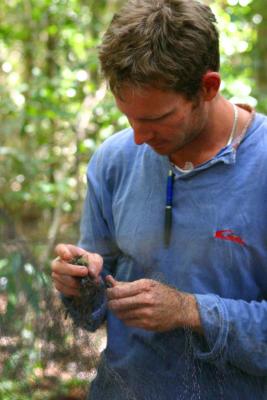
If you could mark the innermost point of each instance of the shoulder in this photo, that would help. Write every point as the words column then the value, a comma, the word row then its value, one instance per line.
column 256, row 137
column 117, row 156
column 252, row 152
column 258, row 129
column 119, row 143
column 117, row 149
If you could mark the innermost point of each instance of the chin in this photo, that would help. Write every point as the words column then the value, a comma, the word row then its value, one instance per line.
column 160, row 150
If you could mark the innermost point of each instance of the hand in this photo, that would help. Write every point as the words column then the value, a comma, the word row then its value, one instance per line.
column 151, row 305
column 65, row 275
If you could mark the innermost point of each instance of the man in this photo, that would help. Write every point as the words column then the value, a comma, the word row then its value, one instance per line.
column 185, row 306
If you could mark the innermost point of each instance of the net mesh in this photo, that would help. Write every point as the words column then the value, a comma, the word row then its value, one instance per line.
column 42, row 352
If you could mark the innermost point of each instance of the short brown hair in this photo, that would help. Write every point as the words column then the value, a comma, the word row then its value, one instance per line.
column 165, row 43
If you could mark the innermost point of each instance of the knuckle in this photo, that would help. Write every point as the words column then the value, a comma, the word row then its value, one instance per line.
column 115, row 292
column 54, row 262
column 95, row 262
column 98, row 258
column 113, row 305
column 71, row 270
column 149, row 298
column 54, row 276
column 98, row 261
column 59, row 249
column 147, row 313
column 58, row 286
column 144, row 284
column 111, row 294
column 148, row 284
column 58, row 265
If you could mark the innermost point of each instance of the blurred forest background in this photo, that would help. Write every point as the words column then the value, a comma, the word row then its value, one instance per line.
column 54, row 111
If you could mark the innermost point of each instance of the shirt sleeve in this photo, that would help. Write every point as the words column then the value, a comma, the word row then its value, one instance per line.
column 97, row 236
column 235, row 333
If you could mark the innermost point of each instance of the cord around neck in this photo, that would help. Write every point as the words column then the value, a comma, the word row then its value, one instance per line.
column 234, row 127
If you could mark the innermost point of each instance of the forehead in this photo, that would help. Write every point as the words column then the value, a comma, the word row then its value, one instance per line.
column 148, row 102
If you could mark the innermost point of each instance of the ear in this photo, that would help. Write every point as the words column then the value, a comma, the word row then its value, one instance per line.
column 211, row 82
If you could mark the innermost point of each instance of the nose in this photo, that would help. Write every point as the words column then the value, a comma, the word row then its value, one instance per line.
column 142, row 132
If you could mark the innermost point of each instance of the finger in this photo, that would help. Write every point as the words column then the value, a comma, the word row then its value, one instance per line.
column 66, row 290
column 129, row 315
column 66, row 280
column 63, row 268
column 68, row 251
column 133, row 323
column 95, row 262
column 139, row 323
column 136, row 322
column 131, row 303
column 111, row 281
column 128, row 289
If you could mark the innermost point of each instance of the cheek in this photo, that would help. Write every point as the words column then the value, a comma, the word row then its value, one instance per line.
column 171, row 128
column 164, row 131
column 178, row 122
column 175, row 128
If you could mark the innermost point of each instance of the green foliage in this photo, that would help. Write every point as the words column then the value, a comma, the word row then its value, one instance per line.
column 54, row 109
column 48, row 82
column 244, row 50
column 14, row 390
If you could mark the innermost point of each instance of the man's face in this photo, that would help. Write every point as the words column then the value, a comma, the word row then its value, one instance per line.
column 165, row 120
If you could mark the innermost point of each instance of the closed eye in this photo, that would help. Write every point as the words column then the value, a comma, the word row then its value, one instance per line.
column 160, row 118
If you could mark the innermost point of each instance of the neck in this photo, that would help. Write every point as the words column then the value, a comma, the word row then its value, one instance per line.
column 217, row 124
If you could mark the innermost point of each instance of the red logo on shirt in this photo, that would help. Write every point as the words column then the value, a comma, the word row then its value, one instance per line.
column 228, row 234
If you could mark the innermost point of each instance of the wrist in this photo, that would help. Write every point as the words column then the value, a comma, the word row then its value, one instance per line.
column 188, row 315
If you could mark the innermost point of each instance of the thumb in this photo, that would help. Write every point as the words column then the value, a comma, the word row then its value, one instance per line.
column 67, row 251
column 111, row 282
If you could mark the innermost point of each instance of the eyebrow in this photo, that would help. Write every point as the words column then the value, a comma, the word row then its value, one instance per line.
column 154, row 118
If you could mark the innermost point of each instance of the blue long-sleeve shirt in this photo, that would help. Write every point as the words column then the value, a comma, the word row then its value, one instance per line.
column 218, row 252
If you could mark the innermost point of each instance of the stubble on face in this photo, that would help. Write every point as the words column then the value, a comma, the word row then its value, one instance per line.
column 190, row 130
column 168, row 135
